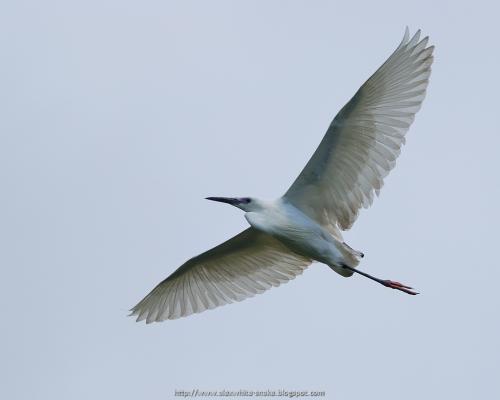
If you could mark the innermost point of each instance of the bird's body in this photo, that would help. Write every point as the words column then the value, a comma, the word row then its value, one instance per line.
column 286, row 235
column 301, row 234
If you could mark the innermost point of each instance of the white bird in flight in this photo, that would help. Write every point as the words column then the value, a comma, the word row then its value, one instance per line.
column 286, row 235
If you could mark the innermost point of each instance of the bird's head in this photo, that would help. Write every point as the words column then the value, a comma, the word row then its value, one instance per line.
column 244, row 203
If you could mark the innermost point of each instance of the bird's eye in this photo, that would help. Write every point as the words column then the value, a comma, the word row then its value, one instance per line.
column 246, row 200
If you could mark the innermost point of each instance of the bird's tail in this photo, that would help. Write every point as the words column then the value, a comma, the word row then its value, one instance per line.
column 351, row 258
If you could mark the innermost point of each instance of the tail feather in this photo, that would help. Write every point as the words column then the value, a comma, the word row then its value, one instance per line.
column 358, row 253
column 351, row 259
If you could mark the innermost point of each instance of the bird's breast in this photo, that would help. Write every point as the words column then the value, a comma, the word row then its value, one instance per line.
column 300, row 234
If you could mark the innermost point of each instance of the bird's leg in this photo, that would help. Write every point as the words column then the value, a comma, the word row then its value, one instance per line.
column 385, row 282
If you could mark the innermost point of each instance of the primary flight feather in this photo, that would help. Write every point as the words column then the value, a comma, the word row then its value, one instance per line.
column 286, row 235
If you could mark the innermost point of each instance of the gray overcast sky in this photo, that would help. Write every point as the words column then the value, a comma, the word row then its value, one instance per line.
column 118, row 117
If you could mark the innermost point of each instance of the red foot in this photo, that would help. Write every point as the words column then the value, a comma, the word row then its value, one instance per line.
column 398, row 286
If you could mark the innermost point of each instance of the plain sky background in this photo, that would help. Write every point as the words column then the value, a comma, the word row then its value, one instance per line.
column 118, row 117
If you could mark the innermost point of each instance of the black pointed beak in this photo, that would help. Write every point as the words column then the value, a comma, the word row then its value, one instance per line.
column 228, row 200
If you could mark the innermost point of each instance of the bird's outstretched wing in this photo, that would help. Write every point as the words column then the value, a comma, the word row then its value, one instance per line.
column 365, row 138
column 245, row 265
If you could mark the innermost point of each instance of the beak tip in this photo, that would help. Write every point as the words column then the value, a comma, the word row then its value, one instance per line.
column 228, row 200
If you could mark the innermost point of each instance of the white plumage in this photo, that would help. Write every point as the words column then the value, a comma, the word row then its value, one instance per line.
column 365, row 138
column 245, row 265
column 357, row 152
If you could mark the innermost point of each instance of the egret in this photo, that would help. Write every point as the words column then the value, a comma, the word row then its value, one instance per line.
column 286, row 235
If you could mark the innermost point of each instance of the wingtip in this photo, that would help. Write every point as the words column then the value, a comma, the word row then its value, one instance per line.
column 134, row 313
column 134, row 316
column 406, row 35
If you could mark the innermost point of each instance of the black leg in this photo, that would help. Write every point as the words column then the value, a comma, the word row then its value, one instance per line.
column 385, row 282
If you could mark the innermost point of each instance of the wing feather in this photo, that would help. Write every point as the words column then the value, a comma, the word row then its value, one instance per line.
column 249, row 263
column 364, row 140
